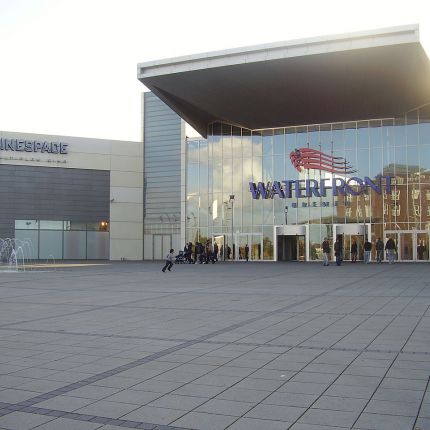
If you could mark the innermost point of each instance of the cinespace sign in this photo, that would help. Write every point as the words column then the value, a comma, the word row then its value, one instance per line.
column 21, row 145
column 306, row 158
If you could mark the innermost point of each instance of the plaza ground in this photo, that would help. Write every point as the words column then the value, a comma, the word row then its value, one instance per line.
column 233, row 345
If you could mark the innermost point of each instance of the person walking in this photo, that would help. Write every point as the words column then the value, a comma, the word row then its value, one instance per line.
column 367, row 251
column 210, row 252
column 379, row 245
column 195, row 252
column 354, row 252
column 189, row 253
column 326, row 251
column 246, row 252
column 198, row 252
column 390, row 247
column 338, row 252
column 185, row 252
column 170, row 258
column 201, row 253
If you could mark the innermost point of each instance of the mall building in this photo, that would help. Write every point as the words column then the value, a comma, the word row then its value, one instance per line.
column 301, row 140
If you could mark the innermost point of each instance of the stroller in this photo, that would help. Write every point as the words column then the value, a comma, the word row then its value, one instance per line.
column 180, row 258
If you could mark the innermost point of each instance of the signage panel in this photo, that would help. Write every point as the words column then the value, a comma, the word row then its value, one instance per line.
column 21, row 145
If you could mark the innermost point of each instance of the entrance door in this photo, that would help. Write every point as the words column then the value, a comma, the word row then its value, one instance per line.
column 347, row 234
column 406, row 249
column 291, row 248
column 348, row 240
column 220, row 240
column 422, row 246
column 411, row 245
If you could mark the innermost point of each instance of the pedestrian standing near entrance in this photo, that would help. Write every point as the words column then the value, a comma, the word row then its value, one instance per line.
column 216, row 251
column 354, row 252
column 326, row 251
column 170, row 258
column 390, row 247
column 338, row 252
column 367, row 251
column 246, row 252
column 379, row 245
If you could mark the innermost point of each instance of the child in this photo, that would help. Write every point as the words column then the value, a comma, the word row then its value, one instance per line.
column 170, row 258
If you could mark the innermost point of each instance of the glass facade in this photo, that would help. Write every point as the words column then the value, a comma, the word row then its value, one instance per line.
column 63, row 240
column 224, row 165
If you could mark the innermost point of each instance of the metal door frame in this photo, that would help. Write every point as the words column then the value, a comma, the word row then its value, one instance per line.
column 290, row 230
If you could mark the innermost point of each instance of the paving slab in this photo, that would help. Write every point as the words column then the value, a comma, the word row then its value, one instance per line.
column 224, row 346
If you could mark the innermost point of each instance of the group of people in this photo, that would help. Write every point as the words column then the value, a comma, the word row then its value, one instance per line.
column 202, row 253
column 390, row 248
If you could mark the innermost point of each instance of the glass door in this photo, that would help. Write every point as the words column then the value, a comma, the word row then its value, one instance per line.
column 406, row 249
column 346, row 247
column 411, row 245
column 348, row 241
column 242, row 242
column 422, row 246
column 301, row 248
column 255, row 245
column 220, row 241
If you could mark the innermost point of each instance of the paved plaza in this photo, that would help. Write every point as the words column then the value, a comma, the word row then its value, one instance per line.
column 249, row 346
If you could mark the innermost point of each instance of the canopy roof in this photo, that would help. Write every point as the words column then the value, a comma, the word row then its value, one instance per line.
column 366, row 75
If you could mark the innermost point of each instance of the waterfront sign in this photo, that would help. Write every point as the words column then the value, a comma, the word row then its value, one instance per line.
column 308, row 158
column 312, row 188
column 21, row 145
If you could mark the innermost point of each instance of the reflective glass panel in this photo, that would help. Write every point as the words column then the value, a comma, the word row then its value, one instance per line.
column 26, row 224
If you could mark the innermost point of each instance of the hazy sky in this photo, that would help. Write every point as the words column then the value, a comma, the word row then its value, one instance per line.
column 69, row 67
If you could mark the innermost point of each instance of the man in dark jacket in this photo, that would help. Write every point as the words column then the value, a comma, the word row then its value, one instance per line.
column 367, row 251
column 326, row 251
column 379, row 245
column 338, row 252
column 390, row 247
column 354, row 252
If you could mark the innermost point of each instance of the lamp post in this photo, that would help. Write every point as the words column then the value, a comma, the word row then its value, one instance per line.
column 286, row 215
column 232, row 223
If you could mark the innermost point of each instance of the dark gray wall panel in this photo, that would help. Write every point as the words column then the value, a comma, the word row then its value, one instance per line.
column 162, row 171
column 52, row 193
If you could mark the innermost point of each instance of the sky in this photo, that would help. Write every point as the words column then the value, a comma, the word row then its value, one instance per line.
column 69, row 67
